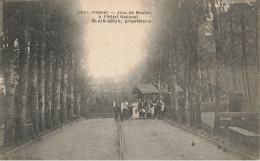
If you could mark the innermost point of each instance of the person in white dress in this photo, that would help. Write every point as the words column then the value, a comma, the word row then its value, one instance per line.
column 161, row 113
column 125, row 109
column 150, row 112
column 122, row 107
column 135, row 109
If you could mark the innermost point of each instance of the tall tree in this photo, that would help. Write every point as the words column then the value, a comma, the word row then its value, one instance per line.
column 174, row 100
column 57, row 40
column 70, row 96
column 244, row 55
column 56, row 101
column 8, row 71
column 218, row 53
column 64, row 80
column 45, row 47
column 33, row 88
column 77, row 93
column 23, row 43
column 48, row 67
column 258, row 57
column 41, row 66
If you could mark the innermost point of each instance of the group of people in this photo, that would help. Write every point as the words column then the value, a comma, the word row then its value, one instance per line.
column 142, row 108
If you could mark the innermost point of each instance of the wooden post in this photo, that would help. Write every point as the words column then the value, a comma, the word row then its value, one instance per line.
column 1, row 23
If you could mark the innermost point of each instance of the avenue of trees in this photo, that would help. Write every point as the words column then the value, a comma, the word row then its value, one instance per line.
column 41, row 59
column 208, row 47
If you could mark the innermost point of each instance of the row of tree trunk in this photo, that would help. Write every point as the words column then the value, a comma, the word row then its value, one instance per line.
column 187, row 32
column 38, row 62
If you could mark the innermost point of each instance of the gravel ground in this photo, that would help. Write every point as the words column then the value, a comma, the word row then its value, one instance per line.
column 97, row 139
column 86, row 140
column 156, row 140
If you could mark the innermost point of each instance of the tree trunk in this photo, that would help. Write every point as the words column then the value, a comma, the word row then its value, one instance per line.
column 245, row 87
column 210, row 87
column 7, row 62
column 76, row 88
column 41, row 80
column 187, row 41
column 56, row 103
column 186, row 89
column 244, row 57
column 195, row 67
column 9, row 103
column 9, row 98
column 48, row 89
column 174, row 100
column 258, row 57
column 63, row 107
column 71, row 87
column 192, row 104
column 197, row 76
column 33, row 87
column 218, row 53
column 233, row 53
column 198, row 97
column 41, row 75
column 223, row 42
column 187, row 63
column 22, row 84
column 77, row 104
column 257, row 36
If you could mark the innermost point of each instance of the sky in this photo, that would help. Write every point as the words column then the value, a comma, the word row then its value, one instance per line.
column 114, row 49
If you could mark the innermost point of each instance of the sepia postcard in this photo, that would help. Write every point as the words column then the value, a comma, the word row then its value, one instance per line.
column 129, row 79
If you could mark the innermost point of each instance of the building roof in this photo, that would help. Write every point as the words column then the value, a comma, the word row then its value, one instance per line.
column 150, row 89
column 146, row 88
column 242, row 1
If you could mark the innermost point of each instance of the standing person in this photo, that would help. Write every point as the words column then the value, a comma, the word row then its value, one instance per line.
column 125, row 109
column 153, row 104
column 150, row 111
column 118, row 107
column 140, row 108
column 156, row 108
column 145, row 106
column 162, row 109
column 130, row 110
column 115, row 109
column 121, row 111
column 135, row 109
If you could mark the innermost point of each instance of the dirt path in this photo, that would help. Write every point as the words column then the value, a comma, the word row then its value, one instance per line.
column 97, row 139
column 86, row 140
column 155, row 139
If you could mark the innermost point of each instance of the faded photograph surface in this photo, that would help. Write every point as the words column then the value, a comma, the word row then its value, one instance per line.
column 129, row 80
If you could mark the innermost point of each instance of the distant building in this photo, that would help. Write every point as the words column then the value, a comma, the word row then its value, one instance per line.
column 242, row 1
column 148, row 90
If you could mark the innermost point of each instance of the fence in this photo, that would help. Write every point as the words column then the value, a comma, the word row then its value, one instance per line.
column 250, row 107
column 98, row 112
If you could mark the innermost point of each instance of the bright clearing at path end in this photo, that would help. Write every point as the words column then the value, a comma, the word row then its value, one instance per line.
column 114, row 49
